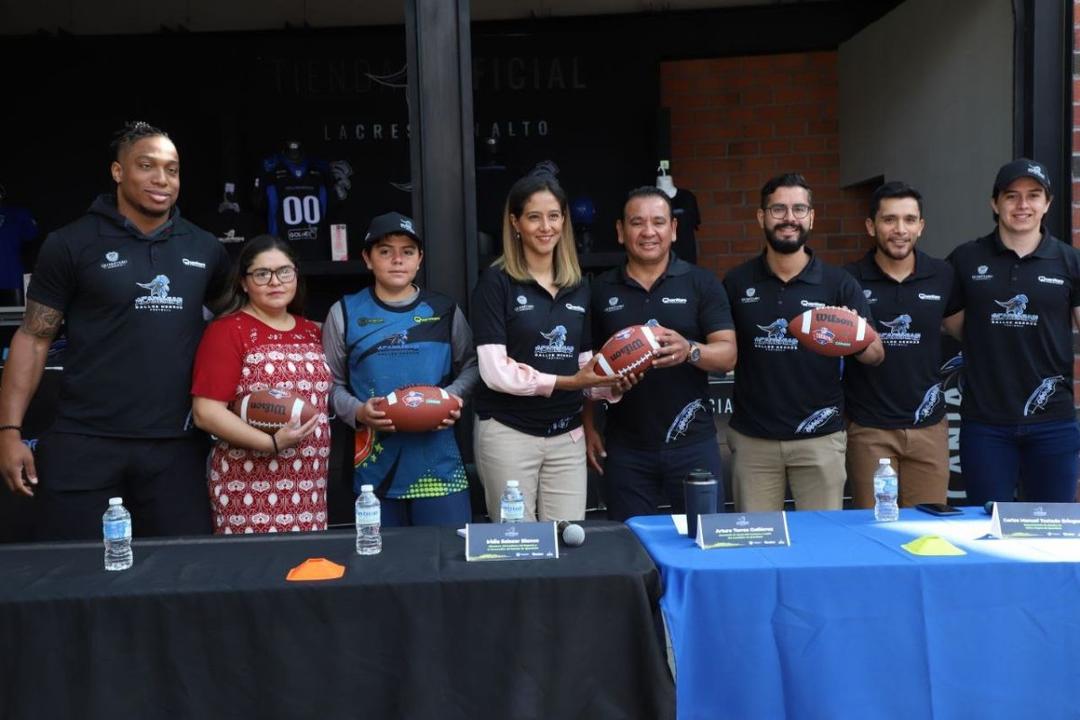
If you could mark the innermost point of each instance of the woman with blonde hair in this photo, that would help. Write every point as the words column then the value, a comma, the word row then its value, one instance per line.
column 531, row 323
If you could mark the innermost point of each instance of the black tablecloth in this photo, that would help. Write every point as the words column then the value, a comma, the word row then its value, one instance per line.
column 210, row 628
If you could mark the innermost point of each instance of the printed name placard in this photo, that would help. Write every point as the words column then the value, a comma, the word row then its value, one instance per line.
column 753, row 529
column 511, row 541
column 1044, row 520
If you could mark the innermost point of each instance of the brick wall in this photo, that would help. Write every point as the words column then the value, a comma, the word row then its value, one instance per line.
column 736, row 122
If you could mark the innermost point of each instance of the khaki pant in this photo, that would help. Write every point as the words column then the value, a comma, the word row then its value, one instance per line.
column 550, row 470
column 920, row 457
column 762, row 469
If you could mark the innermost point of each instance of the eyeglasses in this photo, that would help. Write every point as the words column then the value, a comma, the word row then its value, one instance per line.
column 261, row 276
column 779, row 212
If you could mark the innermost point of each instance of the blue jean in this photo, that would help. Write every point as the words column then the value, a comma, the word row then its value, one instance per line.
column 453, row 509
column 1040, row 458
column 637, row 481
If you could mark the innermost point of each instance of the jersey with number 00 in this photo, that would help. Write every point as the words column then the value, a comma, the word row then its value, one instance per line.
column 296, row 195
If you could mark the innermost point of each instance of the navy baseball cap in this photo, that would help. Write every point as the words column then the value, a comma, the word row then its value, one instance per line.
column 1021, row 168
column 390, row 223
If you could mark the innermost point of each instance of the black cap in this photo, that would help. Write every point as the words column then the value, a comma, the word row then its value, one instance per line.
column 1020, row 168
column 390, row 223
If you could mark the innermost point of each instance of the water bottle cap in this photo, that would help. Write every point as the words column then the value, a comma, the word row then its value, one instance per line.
column 511, row 483
column 884, row 461
column 367, row 488
column 116, row 501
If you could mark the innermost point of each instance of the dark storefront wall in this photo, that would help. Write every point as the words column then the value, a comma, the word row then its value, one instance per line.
column 581, row 92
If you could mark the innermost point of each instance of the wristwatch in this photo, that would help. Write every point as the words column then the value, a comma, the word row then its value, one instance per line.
column 694, row 355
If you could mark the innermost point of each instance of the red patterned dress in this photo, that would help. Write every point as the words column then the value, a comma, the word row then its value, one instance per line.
column 252, row 491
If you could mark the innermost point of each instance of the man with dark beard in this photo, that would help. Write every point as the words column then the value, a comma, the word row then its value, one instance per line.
column 787, row 423
column 897, row 409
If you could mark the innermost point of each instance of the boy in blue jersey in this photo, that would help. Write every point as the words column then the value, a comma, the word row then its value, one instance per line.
column 385, row 336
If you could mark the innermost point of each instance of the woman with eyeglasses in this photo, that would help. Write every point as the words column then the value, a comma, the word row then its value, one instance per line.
column 260, row 482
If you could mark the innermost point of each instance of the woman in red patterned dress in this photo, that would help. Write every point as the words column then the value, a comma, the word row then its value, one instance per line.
column 260, row 482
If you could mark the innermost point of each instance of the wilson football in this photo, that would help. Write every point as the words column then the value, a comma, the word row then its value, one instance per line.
column 629, row 350
column 832, row 331
column 270, row 410
column 417, row 408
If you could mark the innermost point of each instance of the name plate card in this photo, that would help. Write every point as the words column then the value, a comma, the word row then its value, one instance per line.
column 755, row 529
column 511, row 541
column 1041, row 520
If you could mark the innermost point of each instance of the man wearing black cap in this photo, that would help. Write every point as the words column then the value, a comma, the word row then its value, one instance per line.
column 1017, row 295
column 382, row 338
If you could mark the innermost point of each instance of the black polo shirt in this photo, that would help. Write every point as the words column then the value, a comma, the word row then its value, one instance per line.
column 782, row 390
column 905, row 390
column 1018, row 346
column 133, row 308
column 670, row 406
column 542, row 332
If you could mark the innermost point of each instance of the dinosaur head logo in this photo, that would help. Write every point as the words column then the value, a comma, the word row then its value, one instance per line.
column 1015, row 305
column 556, row 338
column 776, row 330
column 158, row 287
column 900, row 325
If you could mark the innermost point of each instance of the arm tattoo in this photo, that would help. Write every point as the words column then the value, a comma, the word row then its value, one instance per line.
column 41, row 321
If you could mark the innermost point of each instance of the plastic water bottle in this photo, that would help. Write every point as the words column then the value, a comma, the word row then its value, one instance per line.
column 512, row 505
column 885, row 489
column 368, row 520
column 116, row 529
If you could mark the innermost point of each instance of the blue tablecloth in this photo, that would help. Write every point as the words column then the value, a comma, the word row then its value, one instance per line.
column 845, row 623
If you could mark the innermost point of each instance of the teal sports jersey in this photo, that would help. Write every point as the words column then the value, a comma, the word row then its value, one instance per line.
column 389, row 347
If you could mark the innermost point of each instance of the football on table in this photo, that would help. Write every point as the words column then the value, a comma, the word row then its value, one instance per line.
column 630, row 350
column 832, row 331
column 417, row 408
column 270, row 410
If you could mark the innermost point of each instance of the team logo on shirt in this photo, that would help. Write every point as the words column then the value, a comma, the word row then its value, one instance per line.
column 869, row 295
column 899, row 331
column 817, row 419
column 560, row 425
column 673, row 300
column 613, row 305
column 930, row 401
column 113, row 261
column 556, row 347
column 811, row 304
column 575, row 308
column 1051, row 280
column 1014, row 315
column 982, row 270
column 159, row 299
column 397, row 344
column 775, row 338
column 1040, row 397
column 522, row 304
column 683, row 420
column 929, row 296
column 751, row 296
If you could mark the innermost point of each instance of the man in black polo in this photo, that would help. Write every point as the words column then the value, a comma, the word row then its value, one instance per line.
column 897, row 409
column 662, row 428
column 130, row 279
column 1017, row 298
column 787, row 421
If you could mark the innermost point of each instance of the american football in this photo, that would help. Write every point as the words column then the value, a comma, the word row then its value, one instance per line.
column 629, row 350
column 417, row 408
column 832, row 331
column 270, row 410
